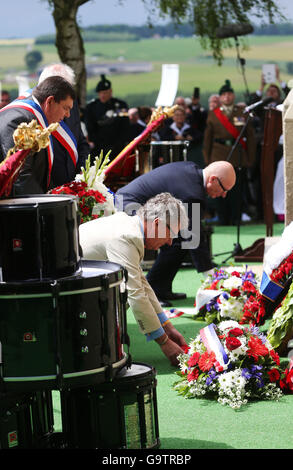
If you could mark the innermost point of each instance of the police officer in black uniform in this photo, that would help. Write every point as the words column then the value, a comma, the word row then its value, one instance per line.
column 107, row 121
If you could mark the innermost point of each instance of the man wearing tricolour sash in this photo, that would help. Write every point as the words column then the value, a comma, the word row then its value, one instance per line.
column 224, row 125
column 70, row 146
column 51, row 101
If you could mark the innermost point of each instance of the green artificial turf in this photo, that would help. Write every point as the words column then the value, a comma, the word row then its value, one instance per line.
column 204, row 423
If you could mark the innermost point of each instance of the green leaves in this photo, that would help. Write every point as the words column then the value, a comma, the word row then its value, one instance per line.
column 208, row 15
column 282, row 321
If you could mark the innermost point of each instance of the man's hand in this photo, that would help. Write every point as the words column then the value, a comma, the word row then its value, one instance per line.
column 174, row 335
column 172, row 351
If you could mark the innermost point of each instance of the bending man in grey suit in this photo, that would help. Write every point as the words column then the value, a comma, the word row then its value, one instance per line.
column 122, row 239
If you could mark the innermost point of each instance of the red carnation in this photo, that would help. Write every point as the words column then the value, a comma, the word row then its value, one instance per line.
column 287, row 383
column 275, row 357
column 206, row 361
column 193, row 360
column 193, row 375
column 185, row 348
column 235, row 332
column 247, row 286
column 235, row 273
column 274, row 375
column 235, row 293
column 256, row 348
column 232, row 343
column 213, row 285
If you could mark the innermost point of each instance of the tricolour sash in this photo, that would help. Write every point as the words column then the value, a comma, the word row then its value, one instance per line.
column 66, row 138
column 229, row 126
column 212, row 343
column 63, row 134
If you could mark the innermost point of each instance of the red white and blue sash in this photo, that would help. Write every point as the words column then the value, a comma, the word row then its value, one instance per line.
column 212, row 343
column 66, row 138
column 36, row 110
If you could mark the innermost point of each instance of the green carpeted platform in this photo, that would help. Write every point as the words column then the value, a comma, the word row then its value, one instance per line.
column 202, row 423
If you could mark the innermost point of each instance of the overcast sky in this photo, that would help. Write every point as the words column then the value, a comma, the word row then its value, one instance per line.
column 30, row 18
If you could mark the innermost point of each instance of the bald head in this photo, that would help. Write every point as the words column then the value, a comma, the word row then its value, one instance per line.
column 220, row 177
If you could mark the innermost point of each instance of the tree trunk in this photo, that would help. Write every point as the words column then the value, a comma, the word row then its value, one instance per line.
column 69, row 42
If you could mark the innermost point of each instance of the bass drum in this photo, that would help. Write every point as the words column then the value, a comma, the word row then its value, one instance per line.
column 38, row 237
column 27, row 421
column 65, row 333
column 121, row 414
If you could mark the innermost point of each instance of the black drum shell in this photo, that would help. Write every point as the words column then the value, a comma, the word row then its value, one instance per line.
column 39, row 237
column 121, row 414
column 64, row 333
column 26, row 420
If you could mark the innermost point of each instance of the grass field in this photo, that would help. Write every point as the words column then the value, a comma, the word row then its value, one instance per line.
column 197, row 67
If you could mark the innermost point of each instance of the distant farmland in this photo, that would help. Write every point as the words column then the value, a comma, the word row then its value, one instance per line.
column 197, row 67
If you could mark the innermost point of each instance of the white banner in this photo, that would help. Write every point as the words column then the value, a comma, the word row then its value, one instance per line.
column 169, row 85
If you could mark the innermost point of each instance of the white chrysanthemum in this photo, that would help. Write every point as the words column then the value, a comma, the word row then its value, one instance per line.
column 183, row 358
column 228, row 325
column 233, row 282
column 231, row 307
column 197, row 346
column 232, row 379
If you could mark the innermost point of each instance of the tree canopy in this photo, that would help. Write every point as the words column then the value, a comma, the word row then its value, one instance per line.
column 208, row 15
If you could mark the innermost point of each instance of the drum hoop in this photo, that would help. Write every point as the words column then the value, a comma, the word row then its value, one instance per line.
column 69, row 375
column 169, row 142
column 61, row 294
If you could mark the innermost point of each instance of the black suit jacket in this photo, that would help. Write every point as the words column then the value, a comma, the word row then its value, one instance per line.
column 184, row 180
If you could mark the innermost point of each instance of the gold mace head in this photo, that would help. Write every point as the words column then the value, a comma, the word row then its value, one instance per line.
column 32, row 136
column 167, row 112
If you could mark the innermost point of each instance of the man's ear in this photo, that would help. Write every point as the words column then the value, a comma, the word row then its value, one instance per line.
column 49, row 100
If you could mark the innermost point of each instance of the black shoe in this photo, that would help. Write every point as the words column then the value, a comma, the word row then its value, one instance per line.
column 165, row 303
column 172, row 295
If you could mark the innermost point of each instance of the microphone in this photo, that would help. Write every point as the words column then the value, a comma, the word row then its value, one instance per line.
column 233, row 30
column 258, row 104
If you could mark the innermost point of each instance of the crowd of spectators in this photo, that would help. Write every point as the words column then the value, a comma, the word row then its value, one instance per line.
column 195, row 133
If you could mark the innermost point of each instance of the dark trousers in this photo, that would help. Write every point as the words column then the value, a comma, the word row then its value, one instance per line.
column 229, row 209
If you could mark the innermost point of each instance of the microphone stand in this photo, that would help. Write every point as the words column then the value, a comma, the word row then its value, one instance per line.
column 237, row 247
column 242, row 65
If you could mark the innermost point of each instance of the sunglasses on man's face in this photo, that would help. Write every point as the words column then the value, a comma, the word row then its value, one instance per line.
column 222, row 187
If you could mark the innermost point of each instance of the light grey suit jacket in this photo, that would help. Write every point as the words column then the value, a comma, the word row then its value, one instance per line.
column 119, row 238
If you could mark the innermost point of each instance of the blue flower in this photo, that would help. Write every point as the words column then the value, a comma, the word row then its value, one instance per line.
column 212, row 304
column 254, row 373
column 211, row 377
column 220, row 274
column 246, row 374
column 248, row 276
